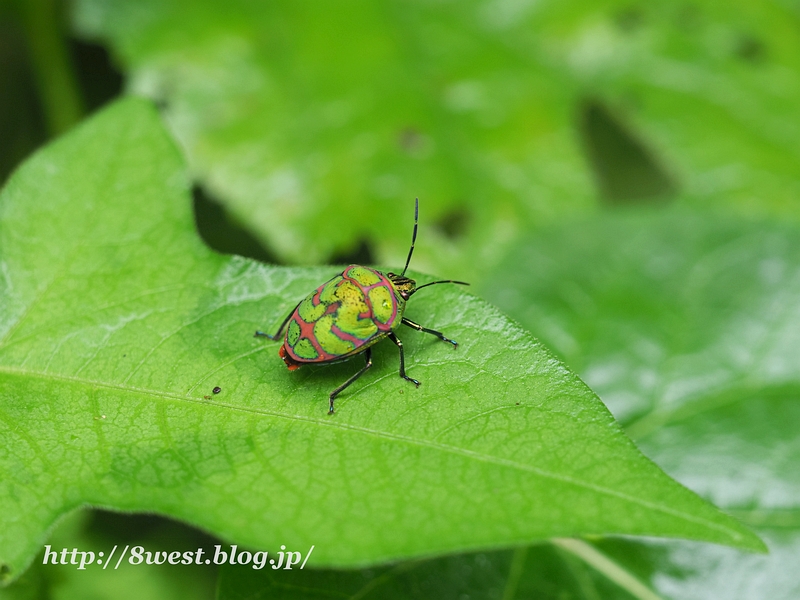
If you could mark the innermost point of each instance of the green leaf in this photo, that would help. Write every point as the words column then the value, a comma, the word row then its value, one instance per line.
column 713, row 89
column 665, row 314
column 626, row 569
column 539, row 572
column 697, row 571
column 117, row 323
column 687, row 325
column 317, row 125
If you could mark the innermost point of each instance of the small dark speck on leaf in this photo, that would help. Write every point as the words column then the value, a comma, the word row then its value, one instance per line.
column 630, row 19
column 517, row 403
column 750, row 49
column 217, row 390
column 206, row 397
column 411, row 140
column 454, row 224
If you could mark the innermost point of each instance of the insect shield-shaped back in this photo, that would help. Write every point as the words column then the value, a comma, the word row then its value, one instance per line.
column 342, row 317
column 348, row 314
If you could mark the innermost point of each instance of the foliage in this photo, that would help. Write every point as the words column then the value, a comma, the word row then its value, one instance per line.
column 343, row 110
column 620, row 178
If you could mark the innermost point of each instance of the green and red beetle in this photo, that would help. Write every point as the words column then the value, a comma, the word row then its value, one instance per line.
column 348, row 315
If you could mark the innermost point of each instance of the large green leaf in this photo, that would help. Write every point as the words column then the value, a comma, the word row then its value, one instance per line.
column 117, row 323
column 714, row 89
column 665, row 314
column 687, row 325
column 542, row 572
column 317, row 123
column 612, row 569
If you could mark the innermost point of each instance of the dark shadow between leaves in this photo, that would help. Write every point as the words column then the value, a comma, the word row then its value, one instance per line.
column 221, row 233
column 625, row 170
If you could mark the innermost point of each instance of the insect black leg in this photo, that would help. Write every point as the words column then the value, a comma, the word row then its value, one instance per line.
column 438, row 334
column 334, row 393
column 393, row 337
column 280, row 329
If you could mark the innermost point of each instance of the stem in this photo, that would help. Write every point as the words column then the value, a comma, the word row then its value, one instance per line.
column 612, row 571
column 515, row 573
column 52, row 66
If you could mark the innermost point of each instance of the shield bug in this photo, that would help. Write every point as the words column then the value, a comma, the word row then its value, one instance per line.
column 348, row 315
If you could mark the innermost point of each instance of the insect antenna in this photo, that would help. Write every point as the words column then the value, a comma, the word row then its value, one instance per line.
column 435, row 282
column 413, row 237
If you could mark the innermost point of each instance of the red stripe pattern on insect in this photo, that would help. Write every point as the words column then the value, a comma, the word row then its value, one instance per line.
column 342, row 317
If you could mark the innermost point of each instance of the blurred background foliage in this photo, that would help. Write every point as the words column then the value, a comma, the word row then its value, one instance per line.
column 621, row 177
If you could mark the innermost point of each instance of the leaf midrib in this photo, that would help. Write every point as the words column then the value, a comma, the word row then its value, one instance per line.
column 470, row 454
